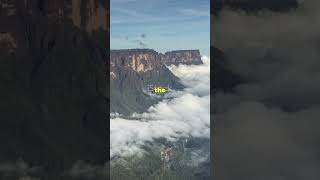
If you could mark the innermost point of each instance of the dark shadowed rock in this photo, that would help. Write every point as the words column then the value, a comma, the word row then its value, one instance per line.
column 53, row 83
column 253, row 6
column 223, row 78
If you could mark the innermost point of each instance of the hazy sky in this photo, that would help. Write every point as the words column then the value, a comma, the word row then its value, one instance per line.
column 160, row 24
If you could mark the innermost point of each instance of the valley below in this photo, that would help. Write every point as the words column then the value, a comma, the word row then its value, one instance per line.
column 163, row 136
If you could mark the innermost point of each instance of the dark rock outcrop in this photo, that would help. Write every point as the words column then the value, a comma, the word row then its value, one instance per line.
column 253, row 6
column 53, row 83
column 223, row 78
column 187, row 57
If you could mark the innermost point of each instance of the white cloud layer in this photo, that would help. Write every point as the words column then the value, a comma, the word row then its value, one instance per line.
column 270, row 121
column 187, row 114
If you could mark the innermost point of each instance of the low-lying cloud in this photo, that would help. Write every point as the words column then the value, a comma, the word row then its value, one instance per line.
column 19, row 168
column 187, row 114
column 85, row 170
column 268, row 128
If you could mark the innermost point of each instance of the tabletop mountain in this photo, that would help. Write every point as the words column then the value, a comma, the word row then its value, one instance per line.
column 132, row 71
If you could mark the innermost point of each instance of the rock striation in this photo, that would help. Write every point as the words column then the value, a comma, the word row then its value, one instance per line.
column 138, row 60
column 145, row 60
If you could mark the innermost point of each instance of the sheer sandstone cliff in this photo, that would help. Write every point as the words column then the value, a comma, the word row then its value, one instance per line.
column 53, row 83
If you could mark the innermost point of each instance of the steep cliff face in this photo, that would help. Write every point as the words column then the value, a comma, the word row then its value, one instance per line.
column 138, row 60
column 87, row 14
column 131, row 72
column 182, row 57
column 20, row 18
column 53, row 83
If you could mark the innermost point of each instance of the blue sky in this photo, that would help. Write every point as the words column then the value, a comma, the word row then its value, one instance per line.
column 162, row 25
